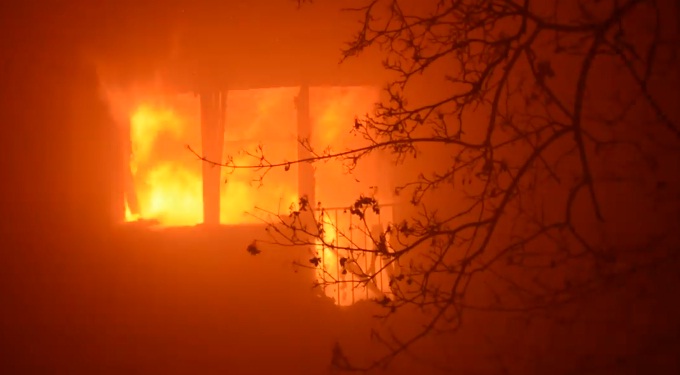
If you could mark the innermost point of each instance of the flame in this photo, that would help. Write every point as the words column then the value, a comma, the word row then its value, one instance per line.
column 339, row 234
column 334, row 111
column 147, row 123
column 167, row 181
column 168, row 186
column 174, row 196
column 267, row 118
column 129, row 216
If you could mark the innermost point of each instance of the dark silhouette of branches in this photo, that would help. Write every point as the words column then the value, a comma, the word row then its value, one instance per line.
column 526, row 129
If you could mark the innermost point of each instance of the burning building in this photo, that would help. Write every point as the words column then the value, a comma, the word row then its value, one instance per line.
column 167, row 183
column 229, row 93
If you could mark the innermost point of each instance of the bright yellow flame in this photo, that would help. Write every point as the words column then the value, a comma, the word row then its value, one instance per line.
column 129, row 216
column 175, row 197
column 147, row 123
column 168, row 180
column 168, row 186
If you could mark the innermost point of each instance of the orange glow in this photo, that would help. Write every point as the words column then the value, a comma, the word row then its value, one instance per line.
column 333, row 111
column 350, row 287
column 167, row 179
column 265, row 117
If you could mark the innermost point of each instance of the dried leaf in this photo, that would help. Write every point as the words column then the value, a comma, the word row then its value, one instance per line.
column 252, row 248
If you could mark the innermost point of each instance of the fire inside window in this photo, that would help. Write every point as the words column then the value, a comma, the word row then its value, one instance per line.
column 167, row 184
